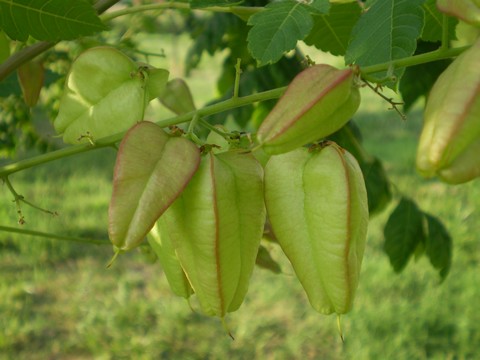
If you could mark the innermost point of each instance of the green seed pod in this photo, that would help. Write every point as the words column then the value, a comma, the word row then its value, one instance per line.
column 105, row 93
column 452, row 121
column 177, row 97
column 466, row 10
column 317, row 205
column 163, row 247
column 216, row 226
column 318, row 102
column 31, row 76
column 151, row 171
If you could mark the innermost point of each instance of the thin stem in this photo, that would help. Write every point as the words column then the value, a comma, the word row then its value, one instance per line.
column 209, row 126
column 238, row 72
column 111, row 140
column 193, row 123
column 414, row 60
column 17, row 198
column 445, row 35
column 53, row 236
column 20, row 198
column 179, row 6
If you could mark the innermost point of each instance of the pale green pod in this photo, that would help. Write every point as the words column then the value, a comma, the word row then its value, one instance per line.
column 452, row 115
column 163, row 248
column 216, row 226
column 317, row 205
column 151, row 171
column 318, row 102
column 465, row 167
column 106, row 92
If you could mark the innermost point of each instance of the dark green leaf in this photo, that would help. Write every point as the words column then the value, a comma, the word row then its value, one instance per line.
column 265, row 260
column 319, row 6
column 432, row 31
column 403, row 232
column 386, row 32
column 198, row 4
column 277, row 29
column 438, row 246
column 4, row 47
column 51, row 20
column 377, row 184
column 10, row 86
column 332, row 32
column 418, row 80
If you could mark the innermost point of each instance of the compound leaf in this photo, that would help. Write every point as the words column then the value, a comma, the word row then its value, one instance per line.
column 387, row 31
column 277, row 30
column 403, row 233
column 331, row 32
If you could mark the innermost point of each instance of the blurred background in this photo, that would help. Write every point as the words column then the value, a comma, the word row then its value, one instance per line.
column 59, row 301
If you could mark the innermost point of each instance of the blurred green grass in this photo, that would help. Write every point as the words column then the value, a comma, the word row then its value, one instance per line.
column 58, row 301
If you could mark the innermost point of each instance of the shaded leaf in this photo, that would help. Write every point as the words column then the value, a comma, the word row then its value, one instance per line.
column 403, row 232
column 4, row 47
column 265, row 261
column 432, row 31
column 438, row 246
column 377, row 184
column 331, row 32
column 318, row 6
column 151, row 171
column 51, row 20
column 386, row 32
column 277, row 29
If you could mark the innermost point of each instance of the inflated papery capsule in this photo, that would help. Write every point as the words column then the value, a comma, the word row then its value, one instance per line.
column 466, row 10
column 163, row 248
column 318, row 102
column 216, row 226
column 452, row 122
column 151, row 170
column 317, row 205
column 106, row 92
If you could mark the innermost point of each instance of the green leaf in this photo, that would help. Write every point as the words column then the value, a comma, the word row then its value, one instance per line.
column 277, row 29
column 10, row 86
column 438, row 246
column 198, row 4
column 386, row 32
column 403, row 232
column 318, row 6
column 377, row 184
column 432, row 31
column 51, row 20
column 419, row 79
column 151, row 171
column 332, row 32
